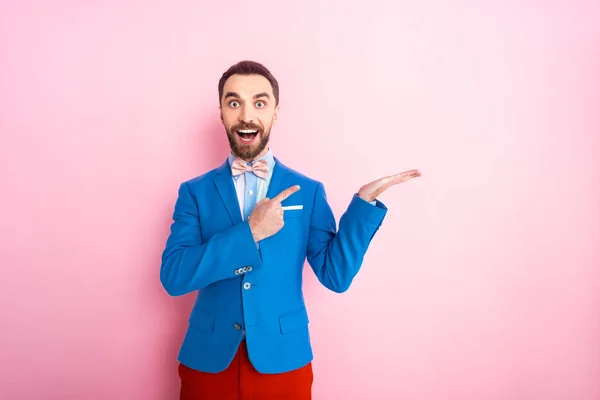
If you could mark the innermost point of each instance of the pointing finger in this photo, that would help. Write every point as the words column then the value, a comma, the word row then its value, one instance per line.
column 286, row 193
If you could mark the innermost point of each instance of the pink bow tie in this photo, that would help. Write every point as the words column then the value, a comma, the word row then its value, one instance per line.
column 260, row 168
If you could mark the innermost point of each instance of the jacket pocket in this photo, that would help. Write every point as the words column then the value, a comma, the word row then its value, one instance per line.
column 202, row 320
column 292, row 321
column 291, row 214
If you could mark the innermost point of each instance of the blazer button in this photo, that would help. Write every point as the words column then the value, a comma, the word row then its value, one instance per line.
column 245, row 269
column 237, row 326
column 237, row 271
column 247, row 285
column 248, row 268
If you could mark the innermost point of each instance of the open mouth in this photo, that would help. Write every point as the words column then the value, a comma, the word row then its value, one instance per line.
column 247, row 135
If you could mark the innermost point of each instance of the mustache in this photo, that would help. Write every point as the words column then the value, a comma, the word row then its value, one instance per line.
column 244, row 126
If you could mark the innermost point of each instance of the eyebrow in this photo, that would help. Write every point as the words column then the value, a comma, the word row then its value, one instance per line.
column 256, row 96
column 232, row 94
column 263, row 94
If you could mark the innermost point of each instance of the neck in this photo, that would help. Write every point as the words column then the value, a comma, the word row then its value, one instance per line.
column 261, row 154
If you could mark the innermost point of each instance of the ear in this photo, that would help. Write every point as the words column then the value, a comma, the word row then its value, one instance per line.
column 275, row 115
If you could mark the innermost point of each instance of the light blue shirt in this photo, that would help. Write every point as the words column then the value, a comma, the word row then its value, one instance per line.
column 249, row 188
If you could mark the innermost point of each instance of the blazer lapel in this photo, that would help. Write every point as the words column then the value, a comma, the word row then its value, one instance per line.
column 224, row 184
column 280, row 179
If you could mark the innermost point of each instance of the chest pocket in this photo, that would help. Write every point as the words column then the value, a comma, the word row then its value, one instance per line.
column 292, row 211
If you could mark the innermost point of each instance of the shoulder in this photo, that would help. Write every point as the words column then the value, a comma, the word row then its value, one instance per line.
column 302, row 178
column 208, row 177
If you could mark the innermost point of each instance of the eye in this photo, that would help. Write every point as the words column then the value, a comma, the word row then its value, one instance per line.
column 260, row 104
column 234, row 103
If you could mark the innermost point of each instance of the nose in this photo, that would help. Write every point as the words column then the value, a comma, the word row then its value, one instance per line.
column 246, row 115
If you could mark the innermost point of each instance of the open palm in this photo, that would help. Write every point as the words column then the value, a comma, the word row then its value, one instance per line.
column 370, row 191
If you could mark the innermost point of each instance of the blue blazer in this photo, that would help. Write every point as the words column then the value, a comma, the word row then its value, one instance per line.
column 251, row 293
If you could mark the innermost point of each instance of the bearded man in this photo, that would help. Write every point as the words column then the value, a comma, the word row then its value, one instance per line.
column 240, row 236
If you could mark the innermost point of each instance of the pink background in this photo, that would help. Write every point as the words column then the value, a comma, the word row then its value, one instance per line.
column 484, row 281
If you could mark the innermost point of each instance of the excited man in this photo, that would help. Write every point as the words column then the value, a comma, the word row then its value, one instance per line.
column 240, row 236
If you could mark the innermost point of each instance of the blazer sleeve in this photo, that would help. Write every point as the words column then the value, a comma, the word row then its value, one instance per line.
column 336, row 256
column 190, row 263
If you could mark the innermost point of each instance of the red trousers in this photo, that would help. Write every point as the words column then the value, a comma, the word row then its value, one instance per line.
column 240, row 381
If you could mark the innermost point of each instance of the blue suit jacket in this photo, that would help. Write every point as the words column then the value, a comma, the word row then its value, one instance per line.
column 256, row 293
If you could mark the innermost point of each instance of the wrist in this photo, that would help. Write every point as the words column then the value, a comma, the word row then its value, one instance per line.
column 365, row 197
column 255, row 235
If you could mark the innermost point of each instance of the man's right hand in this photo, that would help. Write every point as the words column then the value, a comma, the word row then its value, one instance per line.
column 267, row 217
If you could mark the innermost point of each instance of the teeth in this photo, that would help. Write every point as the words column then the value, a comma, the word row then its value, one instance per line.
column 247, row 131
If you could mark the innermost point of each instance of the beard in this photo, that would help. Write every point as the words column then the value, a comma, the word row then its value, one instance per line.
column 248, row 151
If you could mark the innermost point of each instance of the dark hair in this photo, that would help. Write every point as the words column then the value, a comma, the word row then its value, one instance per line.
column 249, row 68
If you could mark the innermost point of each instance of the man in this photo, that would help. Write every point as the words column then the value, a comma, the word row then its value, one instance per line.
column 240, row 236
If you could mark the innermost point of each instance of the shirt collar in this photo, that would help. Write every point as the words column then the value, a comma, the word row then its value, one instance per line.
column 268, row 157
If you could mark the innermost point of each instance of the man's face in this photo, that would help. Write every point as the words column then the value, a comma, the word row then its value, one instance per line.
column 248, row 111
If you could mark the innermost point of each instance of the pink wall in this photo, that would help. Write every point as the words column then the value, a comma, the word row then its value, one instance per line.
column 484, row 281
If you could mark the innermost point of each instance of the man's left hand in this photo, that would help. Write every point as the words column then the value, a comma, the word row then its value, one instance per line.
column 371, row 191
